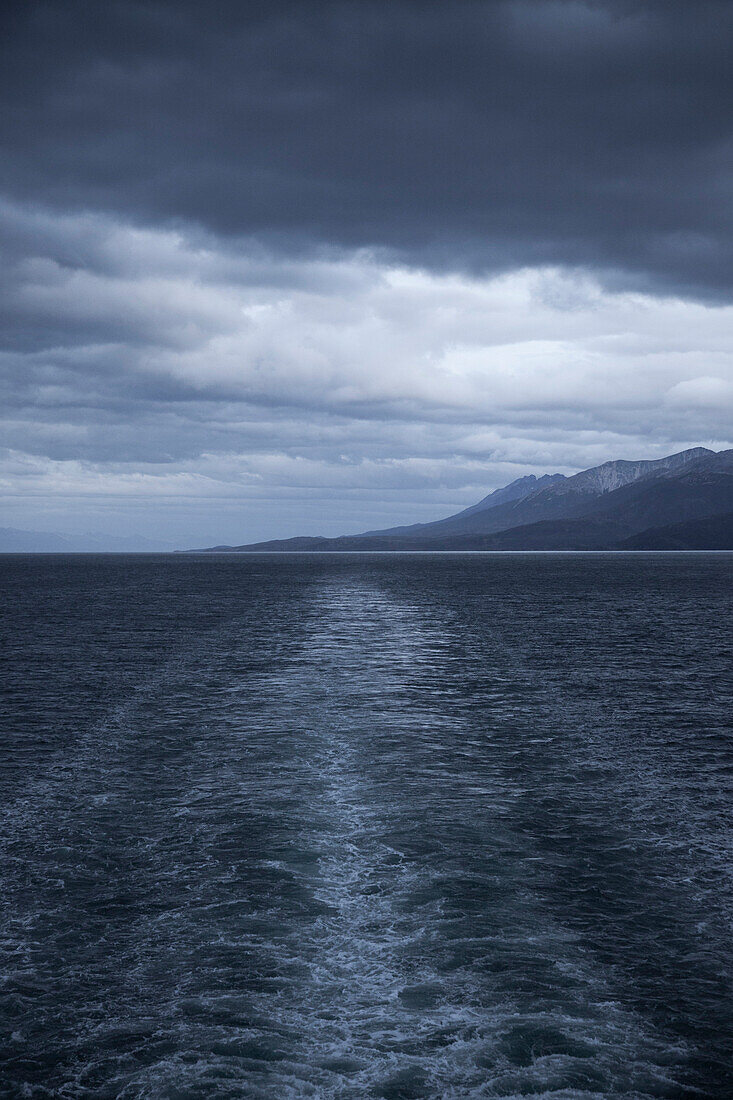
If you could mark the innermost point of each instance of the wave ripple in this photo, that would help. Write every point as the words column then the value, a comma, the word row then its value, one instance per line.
column 386, row 826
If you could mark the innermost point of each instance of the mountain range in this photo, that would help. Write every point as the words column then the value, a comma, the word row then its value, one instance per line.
column 681, row 502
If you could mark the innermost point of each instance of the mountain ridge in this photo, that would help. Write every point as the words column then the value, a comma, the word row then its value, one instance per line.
column 598, row 508
column 516, row 490
column 562, row 498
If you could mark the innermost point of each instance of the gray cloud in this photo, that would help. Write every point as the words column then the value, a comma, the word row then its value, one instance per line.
column 480, row 136
column 163, row 371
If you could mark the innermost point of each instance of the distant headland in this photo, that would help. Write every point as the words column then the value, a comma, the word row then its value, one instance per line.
column 681, row 502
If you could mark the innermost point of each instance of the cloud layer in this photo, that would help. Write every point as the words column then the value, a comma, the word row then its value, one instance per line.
column 483, row 135
column 150, row 366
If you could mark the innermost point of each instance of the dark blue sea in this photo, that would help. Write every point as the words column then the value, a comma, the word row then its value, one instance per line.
column 392, row 826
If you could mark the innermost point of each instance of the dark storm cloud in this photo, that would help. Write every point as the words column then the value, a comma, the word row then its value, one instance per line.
column 475, row 135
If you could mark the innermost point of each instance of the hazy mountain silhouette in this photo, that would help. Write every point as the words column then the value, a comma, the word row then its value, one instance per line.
column 13, row 540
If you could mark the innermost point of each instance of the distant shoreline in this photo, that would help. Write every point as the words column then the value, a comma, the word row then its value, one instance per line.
column 331, row 553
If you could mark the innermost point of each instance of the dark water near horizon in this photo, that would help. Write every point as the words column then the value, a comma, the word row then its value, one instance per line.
column 366, row 826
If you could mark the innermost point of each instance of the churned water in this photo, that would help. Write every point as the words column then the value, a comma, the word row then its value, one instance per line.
column 391, row 826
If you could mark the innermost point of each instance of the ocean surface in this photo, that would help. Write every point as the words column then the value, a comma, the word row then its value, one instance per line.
column 392, row 826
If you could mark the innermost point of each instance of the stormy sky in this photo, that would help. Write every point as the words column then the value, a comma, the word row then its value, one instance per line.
column 299, row 267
